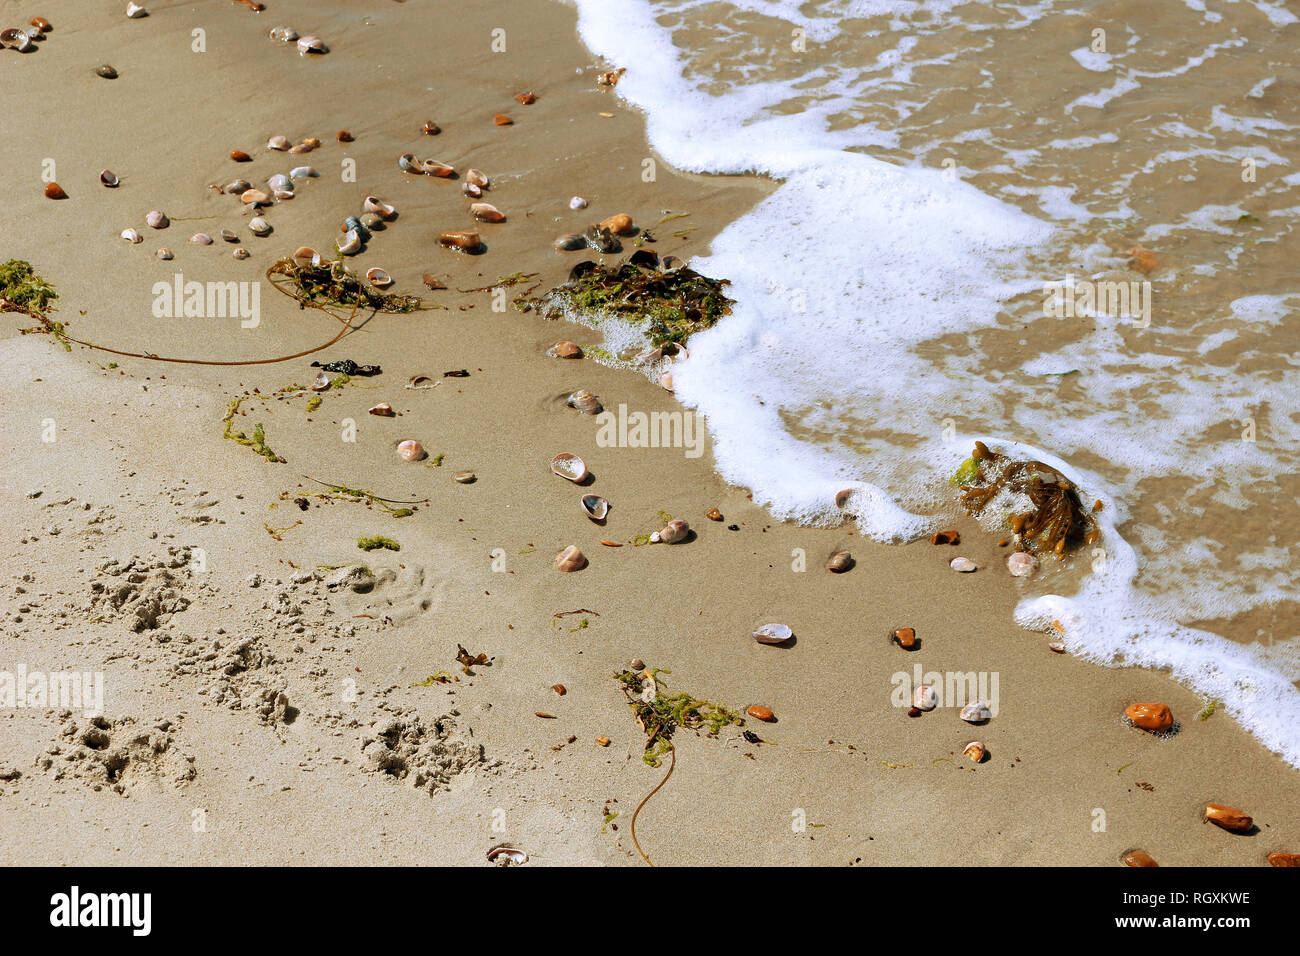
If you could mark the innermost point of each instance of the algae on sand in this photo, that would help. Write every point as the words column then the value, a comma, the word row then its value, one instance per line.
column 258, row 440
column 23, row 291
column 660, row 715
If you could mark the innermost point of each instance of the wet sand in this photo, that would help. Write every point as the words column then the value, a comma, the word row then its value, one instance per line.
column 139, row 465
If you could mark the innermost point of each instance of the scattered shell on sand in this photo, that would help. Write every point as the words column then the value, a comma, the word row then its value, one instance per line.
column 241, row 253
column 239, row 156
column 320, row 383
column 925, row 698
column 975, row 750
column 1284, row 859
column 1137, row 857
column 976, row 712
column 501, row 119
column 1056, row 647
column 378, row 278
column 41, row 24
column 16, row 39
column 411, row 450
column 350, row 244
column 507, row 856
column 477, row 177
column 279, row 142
column 759, row 712
column 109, row 179
column 254, row 197
column 311, row 44
column 433, row 282
column 526, row 98
column 840, row 562
column 383, row 410
column 565, row 350
column 130, row 235
column 259, row 226
column 279, row 182
column 106, row 71
column 430, row 128
column 569, row 466
column 421, row 381
column 602, row 741
column 378, row 207
column 343, row 136
column 461, row 241
column 1021, row 564
column 773, row 634
column 228, row 235
column 306, row 254
column 570, row 242
column 674, row 532
column 464, row 477
column 470, row 190
column 577, row 202
column 284, row 34
column 637, row 665
column 157, row 219
column 164, row 254
column 134, row 11
column 431, row 167
column 1155, row 718
column 584, row 401
column 1229, row 818
column 237, row 187
column 303, row 172
column 486, row 212
column 904, row 637
column 54, row 191
column 571, row 559
column 595, row 507
column 962, row 564
column 713, row 514
column 619, row 225
column 201, row 239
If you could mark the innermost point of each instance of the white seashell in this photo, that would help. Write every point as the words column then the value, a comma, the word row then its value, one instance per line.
column 350, row 244
column 585, row 402
column 486, row 212
column 201, row 239
column 135, row 11
column 164, row 254
column 962, row 564
column 382, row 410
column 431, row 167
column 284, row 34
column 130, row 235
column 303, row 172
column 157, row 220
column 241, row 253
column 595, row 507
column 237, row 187
column 280, row 143
column 283, row 194
column 279, row 181
column 569, row 466
column 976, row 712
column 1021, row 564
column 259, row 227
column 311, row 45
column 472, row 191
column 380, row 208
column 477, row 177
column 411, row 450
column 925, row 698
column 571, row 559
column 16, row 39
column 229, row 236
column 464, row 477
column 975, row 750
column 577, row 202
column 254, row 197
column 675, row 532
column 507, row 856
column 773, row 634
column 379, row 278
column 320, row 383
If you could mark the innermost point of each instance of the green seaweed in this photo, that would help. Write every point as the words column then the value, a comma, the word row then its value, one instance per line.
column 257, row 442
column 1209, row 710
column 441, row 677
column 662, row 715
column 25, row 292
column 333, row 284
column 378, row 541
column 313, row 403
column 967, row 473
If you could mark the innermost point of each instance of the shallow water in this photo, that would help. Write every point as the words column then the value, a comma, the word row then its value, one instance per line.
column 944, row 163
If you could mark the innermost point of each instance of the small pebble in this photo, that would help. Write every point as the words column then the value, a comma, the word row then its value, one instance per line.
column 963, row 564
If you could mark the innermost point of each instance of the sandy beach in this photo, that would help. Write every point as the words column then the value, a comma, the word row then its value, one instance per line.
column 272, row 694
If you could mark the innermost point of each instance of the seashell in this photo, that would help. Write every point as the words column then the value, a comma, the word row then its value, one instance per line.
column 460, row 241
column 1138, row 858
column 134, row 11
column 570, row 242
column 411, row 450
column 54, row 191
column 354, row 224
column 239, row 156
column 1155, row 718
column 408, row 163
column 569, row 466
column 976, row 751
column 904, row 637
column 254, row 197
column 842, row 497
column 320, row 383
column 962, row 564
column 432, row 282
column 259, row 226
column 201, row 239
column 925, row 698
column 502, row 120
column 300, row 148
column 674, row 532
column 759, row 712
column 237, row 186
column 303, row 172
column 378, row 278
column 379, row 207
column 585, row 402
column 976, row 712
column 840, row 562
column 109, row 179
column 602, row 741
column 470, row 190
column 421, row 381
column 713, row 514
column 464, row 477
column 283, row 34
column 619, row 225
column 571, row 559
column 773, row 634
column 307, row 253
column 1229, row 818
column 350, row 244
column 430, row 129
column 15, row 39
column 311, row 45
column 577, row 202
column 526, row 98
column 106, row 71
column 507, row 856
column 41, row 24
column 595, row 507
column 1284, row 859
column 130, row 235
column 486, row 212
column 1056, row 647
column 665, row 379
column 431, row 167
column 343, row 136
column 311, row 142
column 565, row 350
column 477, row 177
column 164, row 254
column 280, row 143
column 383, row 410
column 241, row 253
column 157, row 219
column 279, row 181
column 228, row 236
column 373, row 221
column 601, row 239
column 671, row 264
column 1021, row 564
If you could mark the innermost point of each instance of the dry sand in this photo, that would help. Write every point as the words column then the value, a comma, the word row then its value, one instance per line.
column 254, row 714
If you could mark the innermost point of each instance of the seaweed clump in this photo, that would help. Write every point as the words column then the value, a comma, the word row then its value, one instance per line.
column 23, row 291
column 1056, row 522
column 673, row 303
column 331, row 284
column 660, row 715
column 257, row 441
